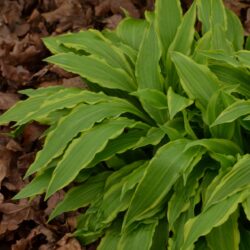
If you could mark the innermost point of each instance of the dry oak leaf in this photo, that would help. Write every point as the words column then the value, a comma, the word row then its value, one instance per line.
column 113, row 21
column 14, row 73
column 116, row 6
column 5, row 160
column 67, row 243
column 68, row 15
column 28, row 242
column 32, row 132
column 12, row 145
column 53, row 201
column 7, row 100
column 14, row 214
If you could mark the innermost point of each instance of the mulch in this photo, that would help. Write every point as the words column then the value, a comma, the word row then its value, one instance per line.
column 23, row 23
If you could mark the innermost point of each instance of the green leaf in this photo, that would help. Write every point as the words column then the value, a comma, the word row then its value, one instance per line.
column 54, row 46
column 160, row 236
column 118, row 196
column 203, row 44
column 112, row 237
column 247, row 45
column 184, row 37
column 231, row 76
column 85, row 174
column 131, row 30
column 219, row 40
column 121, row 173
column 104, row 74
column 93, row 42
column 119, row 145
column 226, row 236
column 246, row 206
column 21, row 109
column 236, row 180
column 244, row 239
column 84, row 117
column 183, row 194
column 87, row 232
column 41, row 91
column 182, row 42
column 204, row 14
column 187, row 118
column 37, row 186
column 148, row 74
column 197, row 80
column 233, row 112
column 153, row 97
column 83, row 150
column 163, row 171
column 220, row 146
column 45, row 102
column 112, row 201
column 218, row 14
column 211, row 13
column 218, row 102
column 133, row 179
column 176, row 102
column 24, row 110
column 168, row 16
column 220, row 55
column 174, row 129
column 53, row 103
column 153, row 137
column 140, row 238
column 113, row 38
column 244, row 57
column 214, row 216
column 201, row 244
column 235, row 31
column 247, row 118
column 176, row 242
column 81, row 196
column 154, row 103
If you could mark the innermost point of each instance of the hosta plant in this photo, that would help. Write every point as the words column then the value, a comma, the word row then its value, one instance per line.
column 157, row 147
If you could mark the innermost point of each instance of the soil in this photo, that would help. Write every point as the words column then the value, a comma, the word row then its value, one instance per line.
column 23, row 23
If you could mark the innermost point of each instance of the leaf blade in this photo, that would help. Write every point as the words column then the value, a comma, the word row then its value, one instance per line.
column 148, row 74
column 94, row 140
column 84, row 117
column 233, row 112
column 165, row 171
column 197, row 80
column 176, row 102
column 104, row 75
column 168, row 18
column 81, row 196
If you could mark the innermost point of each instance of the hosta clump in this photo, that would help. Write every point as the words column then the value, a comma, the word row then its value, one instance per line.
column 158, row 147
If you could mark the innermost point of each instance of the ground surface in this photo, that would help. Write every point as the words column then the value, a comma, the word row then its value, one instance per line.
column 22, row 25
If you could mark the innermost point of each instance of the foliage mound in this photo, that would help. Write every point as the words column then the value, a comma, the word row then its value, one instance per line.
column 158, row 146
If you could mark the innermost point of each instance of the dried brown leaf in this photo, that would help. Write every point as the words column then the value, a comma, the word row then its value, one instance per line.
column 14, row 215
column 68, row 243
column 5, row 160
column 53, row 201
column 7, row 100
column 76, row 82
column 14, row 73
column 116, row 6
column 32, row 132
column 14, row 146
column 113, row 21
